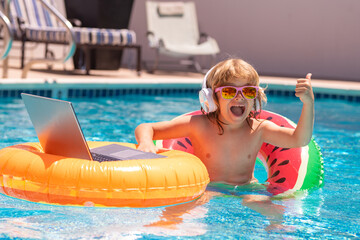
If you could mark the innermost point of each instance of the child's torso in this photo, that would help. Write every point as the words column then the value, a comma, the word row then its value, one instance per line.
column 229, row 157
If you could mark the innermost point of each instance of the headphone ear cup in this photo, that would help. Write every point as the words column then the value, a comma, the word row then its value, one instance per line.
column 207, row 100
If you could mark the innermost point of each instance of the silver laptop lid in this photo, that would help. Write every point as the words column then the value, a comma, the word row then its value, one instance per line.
column 56, row 126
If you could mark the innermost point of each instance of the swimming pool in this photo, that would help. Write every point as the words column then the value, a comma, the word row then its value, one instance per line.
column 331, row 212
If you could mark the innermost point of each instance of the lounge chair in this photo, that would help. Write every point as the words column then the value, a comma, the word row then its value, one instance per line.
column 41, row 22
column 38, row 21
column 173, row 31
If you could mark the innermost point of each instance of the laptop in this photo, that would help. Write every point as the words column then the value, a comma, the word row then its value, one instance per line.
column 59, row 132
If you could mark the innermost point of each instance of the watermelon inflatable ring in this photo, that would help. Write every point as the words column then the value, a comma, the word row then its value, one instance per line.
column 289, row 170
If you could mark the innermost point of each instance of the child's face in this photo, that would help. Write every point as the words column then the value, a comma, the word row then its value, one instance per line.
column 236, row 110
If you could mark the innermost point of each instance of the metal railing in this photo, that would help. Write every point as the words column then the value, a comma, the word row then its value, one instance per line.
column 8, row 39
column 71, row 40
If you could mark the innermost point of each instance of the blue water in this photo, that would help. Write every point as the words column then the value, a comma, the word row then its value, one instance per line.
column 332, row 212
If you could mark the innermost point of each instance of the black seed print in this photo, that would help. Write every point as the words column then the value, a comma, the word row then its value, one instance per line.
column 269, row 118
column 281, row 180
column 181, row 144
column 273, row 162
column 267, row 159
column 188, row 141
column 282, row 126
column 275, row 148
column 284, row 163
column 275, row 174
column 284, row 149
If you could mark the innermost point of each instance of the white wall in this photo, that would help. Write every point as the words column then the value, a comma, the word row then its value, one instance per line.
column 279, row 37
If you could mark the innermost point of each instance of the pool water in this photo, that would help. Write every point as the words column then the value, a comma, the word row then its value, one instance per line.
column 330, row 212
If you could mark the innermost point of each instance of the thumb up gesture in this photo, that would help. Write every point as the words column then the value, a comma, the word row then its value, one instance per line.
column 304, row 90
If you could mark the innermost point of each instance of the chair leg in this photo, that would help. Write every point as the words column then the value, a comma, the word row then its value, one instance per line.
column 138, row 65
column 156, row 63
column 46, row 49
column 196, row 65
column 22, row 54
column 87, row 53
column 49, row 55
column 5, row 67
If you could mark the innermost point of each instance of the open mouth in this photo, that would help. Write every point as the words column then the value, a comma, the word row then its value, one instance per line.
column 237, row 110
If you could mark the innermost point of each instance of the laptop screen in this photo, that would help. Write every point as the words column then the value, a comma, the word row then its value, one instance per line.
column 59, row 132
column 56, row 126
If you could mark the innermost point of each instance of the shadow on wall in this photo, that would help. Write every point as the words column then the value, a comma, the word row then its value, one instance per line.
column 283, row 38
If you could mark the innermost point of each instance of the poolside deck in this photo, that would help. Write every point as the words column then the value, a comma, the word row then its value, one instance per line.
column 124, row 75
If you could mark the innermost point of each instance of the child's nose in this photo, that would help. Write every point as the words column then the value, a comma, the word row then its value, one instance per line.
column 239, row 95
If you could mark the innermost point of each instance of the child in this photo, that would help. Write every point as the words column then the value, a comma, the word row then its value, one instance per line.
column 228, row 137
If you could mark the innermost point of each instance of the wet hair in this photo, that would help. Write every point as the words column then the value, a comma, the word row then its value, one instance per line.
column 229, row 71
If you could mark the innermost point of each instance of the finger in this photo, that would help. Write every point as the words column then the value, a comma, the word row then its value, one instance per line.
column 303, row 85
column 308, row 76
column 161, row 150
column 302, row 80
column 153, row 150
column 299, row 94
column 299, row 89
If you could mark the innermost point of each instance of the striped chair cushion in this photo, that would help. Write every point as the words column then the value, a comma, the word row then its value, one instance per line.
column 46, row 34
column 102, row 36
column 40, row 25
column 93, row 36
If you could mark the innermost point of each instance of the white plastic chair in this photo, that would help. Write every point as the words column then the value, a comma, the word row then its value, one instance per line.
column 173, row 31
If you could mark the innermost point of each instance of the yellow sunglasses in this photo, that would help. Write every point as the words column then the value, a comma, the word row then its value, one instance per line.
column 229, row 92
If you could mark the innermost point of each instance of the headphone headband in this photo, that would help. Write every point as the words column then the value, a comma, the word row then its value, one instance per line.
column 205, row 78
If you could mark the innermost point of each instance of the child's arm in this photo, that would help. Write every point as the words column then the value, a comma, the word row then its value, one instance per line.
column 144, row 136
column 301, row 135
column 147, row 132
column 305, row 125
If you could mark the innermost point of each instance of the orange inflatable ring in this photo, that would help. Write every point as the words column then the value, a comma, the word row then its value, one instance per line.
column 29, row 173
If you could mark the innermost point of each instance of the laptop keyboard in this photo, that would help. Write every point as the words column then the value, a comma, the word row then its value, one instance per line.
column 102, row 158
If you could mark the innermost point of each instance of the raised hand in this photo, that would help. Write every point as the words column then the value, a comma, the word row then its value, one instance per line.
column 304, row 90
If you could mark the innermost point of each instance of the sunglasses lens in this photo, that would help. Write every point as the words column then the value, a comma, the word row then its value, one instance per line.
column 249, row 92
column 228, row 92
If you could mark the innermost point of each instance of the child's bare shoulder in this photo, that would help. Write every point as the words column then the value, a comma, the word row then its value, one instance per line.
column 199, row 120
column 195, row 122
column 191, row 119
column 200, row 124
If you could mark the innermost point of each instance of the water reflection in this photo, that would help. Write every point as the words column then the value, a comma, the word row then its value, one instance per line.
column 188, row 219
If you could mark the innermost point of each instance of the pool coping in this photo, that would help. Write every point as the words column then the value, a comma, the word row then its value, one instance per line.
column 275, row 85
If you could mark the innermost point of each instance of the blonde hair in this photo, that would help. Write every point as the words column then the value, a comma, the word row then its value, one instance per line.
column 229, row 71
